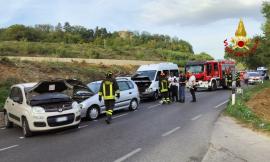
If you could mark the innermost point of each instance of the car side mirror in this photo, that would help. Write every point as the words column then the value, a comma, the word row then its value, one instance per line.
column 18, row 100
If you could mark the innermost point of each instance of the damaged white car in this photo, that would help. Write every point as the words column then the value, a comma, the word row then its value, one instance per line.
column 41, row 106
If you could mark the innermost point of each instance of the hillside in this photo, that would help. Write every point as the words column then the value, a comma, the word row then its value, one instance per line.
column 79, row 42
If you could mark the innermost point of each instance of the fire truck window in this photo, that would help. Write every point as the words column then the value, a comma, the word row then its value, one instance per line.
column 215, row 67
column 209, row 69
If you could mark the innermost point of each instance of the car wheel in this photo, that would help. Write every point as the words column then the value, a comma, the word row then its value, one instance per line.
column 133, row 105
column 155, row 96
column 8, row 124
column 92, row 113
column 75, row 126
column 26, row 131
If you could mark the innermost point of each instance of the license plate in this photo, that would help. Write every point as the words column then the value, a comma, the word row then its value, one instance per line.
column 61, row 119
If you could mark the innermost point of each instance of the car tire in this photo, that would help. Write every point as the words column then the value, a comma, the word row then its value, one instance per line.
column 26, row 130
column 75, row 126
column 92, row 113
column 155, row 96
column 8, row 124
column 133, row 105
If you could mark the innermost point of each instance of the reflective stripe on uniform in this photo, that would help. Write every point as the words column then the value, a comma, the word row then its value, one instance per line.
column 162, row 87
column 110, row 96
column 108, row 112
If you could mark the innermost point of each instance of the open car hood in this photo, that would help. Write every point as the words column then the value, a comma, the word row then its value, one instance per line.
column 139, row 78
column 50, row 86
column 76, row 83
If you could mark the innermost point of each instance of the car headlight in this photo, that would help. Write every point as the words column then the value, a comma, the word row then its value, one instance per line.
column 75, row 105
column 149, row 90
column 38, row 110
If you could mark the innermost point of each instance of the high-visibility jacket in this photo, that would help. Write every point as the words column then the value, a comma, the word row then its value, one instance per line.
column 108, row 89
column 163, row 85
column 229, row 77
column 237, row 77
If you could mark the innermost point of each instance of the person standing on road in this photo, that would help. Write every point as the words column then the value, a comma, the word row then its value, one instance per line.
column 192, row 86
column 164, row 88
column 170, row 79
column 109, row 90
column 245, row 76
column 229, row 78
column 182, row 87
column 238, row 79
column 174, row 90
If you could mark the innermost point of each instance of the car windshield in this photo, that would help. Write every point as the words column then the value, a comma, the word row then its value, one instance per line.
column 94, row 87
column 254, row 74
column 150, row 73
column 194, row 68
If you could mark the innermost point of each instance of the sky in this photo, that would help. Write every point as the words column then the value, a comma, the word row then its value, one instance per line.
column 203, row 23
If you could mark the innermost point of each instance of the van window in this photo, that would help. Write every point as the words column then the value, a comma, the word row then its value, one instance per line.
column 158, row 76
column 150, row 73
column 166, row 72
column 175, row 73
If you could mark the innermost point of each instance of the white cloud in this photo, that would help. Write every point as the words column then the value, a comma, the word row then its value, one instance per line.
column 198, row 12
column 9, row 9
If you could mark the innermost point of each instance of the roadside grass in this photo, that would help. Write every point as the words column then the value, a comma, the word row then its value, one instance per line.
column 241, row 111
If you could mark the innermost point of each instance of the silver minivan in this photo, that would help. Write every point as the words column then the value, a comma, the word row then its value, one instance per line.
column 91, row 108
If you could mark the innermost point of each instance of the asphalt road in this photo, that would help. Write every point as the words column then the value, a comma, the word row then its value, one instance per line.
column 166, row 133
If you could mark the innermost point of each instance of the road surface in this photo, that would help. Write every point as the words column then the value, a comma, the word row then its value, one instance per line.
column 176, row 132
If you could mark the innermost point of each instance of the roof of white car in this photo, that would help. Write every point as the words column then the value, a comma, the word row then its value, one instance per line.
column 25, row 85
column 160, row 66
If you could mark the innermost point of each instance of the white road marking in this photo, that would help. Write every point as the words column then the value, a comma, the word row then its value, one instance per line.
column 118, row 116
column 153, row 106
column 95, row 120
column 221, row 104
column 21, row 137
column 3, row 128
column 128, row 155
column 170, row 132
column 135, row 110
column 196, row 117
column 83, row 126
column 6, row 148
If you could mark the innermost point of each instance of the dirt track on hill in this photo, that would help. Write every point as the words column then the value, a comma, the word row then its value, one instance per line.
column 260, row 104
column 89, row 61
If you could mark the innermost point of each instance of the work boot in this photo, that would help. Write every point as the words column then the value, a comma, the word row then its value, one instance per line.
column 108, row 120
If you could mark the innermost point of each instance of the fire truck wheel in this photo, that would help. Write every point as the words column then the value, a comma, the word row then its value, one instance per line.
column 214, row 86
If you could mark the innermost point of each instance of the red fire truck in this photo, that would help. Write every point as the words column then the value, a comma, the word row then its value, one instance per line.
column 210, row 74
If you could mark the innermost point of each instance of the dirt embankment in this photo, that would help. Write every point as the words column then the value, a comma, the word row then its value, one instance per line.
column 260, row 104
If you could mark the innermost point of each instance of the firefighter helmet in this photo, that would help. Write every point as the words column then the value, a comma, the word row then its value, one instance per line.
column 109, row 74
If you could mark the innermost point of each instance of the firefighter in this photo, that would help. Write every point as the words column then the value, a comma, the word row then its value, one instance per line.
column 237, row 79
column 109, row 90
column 229, row 78
column 164, row 88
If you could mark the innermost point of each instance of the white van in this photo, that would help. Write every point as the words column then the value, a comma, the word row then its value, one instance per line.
column 147, row 78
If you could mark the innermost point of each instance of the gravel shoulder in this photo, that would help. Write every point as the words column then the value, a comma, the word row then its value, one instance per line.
column 231, row 142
